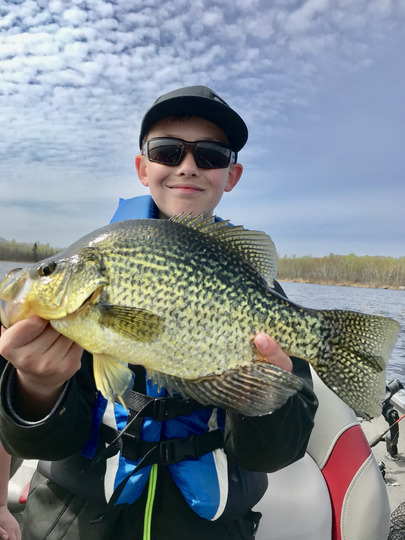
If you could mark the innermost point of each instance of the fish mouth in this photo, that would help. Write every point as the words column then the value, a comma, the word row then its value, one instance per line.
column 11, row 312
column 3, row 314
column 16, row 310
column 12, row 292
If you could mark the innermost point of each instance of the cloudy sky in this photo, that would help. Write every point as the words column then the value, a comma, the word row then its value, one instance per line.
column 320, row 84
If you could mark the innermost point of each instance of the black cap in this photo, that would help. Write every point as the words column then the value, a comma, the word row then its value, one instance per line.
column 197, row 101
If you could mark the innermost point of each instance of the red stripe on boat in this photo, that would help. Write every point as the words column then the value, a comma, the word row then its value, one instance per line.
column 348, row 455
column 24, row 494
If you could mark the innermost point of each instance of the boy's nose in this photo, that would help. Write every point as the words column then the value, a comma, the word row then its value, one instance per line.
column 188, row 164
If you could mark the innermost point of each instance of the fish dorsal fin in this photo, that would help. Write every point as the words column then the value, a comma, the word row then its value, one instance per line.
column 254, row 247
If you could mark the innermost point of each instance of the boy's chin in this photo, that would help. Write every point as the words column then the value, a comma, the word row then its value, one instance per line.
column 175, row 210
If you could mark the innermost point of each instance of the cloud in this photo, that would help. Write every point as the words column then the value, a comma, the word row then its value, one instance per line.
column 320, row 85
column 306, row 16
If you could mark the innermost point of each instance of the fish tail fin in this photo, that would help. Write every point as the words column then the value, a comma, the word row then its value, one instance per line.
column 357, row 349
column 112, row 377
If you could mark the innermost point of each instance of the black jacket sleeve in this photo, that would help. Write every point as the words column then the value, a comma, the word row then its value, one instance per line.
column 62, row 432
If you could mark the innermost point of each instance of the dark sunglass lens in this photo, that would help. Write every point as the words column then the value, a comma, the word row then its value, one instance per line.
column 212, row 156
column 165, row 152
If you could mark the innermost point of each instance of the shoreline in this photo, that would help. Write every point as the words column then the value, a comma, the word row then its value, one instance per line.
column 18, row 262
column 344, row 284
column 297, row 280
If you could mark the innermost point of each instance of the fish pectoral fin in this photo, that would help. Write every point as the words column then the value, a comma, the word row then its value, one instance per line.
column 253, row 390
column 132, row 323
column 112, row 376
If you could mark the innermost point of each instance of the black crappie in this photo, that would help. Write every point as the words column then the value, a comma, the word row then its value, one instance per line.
column 184, row 298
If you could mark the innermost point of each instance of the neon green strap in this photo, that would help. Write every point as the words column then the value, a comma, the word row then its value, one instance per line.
column 147, row 524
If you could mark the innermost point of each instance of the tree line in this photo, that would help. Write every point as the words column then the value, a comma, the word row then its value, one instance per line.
column 10, row 250
column 333, row 269
column 344, row 270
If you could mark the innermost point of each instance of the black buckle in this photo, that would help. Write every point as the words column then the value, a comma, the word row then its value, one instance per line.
column 160, row 409
column 175, row 450
column 164, row 408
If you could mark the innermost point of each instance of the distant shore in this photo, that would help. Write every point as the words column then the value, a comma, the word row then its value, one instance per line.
column 335, row 282
column 16, row 262
column 344, row 284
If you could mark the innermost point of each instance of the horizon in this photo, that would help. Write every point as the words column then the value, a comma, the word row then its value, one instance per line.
column 279, row 255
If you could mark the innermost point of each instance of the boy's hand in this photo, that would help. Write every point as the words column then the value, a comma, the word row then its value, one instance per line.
column 9, row 528
column 272, row 352
column 44, row 360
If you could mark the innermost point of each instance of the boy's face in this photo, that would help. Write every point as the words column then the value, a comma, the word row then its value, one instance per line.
column 185, row 187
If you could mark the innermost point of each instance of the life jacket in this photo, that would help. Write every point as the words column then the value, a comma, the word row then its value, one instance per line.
column 203, row 480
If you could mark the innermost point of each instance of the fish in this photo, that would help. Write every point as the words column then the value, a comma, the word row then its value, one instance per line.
column 184, row 298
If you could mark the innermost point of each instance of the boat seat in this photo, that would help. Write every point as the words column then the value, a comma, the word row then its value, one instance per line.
column 336, row 492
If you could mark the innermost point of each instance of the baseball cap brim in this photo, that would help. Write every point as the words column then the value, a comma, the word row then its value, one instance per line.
column 197, row 101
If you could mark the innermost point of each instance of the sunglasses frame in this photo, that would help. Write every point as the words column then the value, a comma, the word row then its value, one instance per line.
column 188, row 145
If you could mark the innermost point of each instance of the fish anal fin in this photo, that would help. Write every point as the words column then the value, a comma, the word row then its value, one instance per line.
column 252, row 390
column 112, row 376
column 132, row 323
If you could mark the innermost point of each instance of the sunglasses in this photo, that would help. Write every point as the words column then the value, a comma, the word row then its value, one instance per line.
column 171, row 151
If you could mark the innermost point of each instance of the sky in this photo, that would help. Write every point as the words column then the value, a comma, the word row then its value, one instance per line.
column 320, row 84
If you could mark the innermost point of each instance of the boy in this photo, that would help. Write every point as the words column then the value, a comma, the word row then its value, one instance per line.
column 204, row 487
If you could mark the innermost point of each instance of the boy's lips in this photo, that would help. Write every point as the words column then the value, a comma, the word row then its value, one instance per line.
column 186, row 188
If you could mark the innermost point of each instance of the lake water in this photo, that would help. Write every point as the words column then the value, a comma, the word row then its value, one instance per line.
column 390, row 303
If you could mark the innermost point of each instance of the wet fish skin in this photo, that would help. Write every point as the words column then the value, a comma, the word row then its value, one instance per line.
column 184, row 298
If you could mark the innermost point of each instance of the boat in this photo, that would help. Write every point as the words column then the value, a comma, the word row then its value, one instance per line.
column 343, row 488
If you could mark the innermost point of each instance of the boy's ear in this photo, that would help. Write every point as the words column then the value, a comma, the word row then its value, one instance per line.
column 235, row 172
column 140, row 164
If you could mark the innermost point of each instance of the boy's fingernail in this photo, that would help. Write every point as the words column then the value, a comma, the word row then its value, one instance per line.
column 262, row 340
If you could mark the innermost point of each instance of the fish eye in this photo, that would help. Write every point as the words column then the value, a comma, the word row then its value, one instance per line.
column 47, row 269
